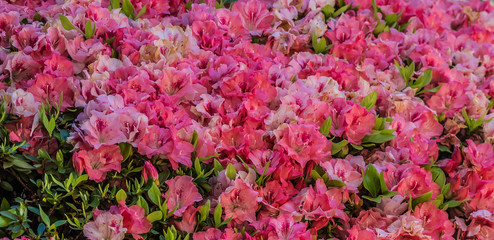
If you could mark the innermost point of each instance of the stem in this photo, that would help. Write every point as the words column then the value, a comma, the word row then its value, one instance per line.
column 20, row 180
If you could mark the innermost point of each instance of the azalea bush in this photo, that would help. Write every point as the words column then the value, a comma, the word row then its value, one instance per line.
column 248, row 119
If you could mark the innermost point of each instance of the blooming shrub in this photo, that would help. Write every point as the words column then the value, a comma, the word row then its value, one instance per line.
column 248, row 119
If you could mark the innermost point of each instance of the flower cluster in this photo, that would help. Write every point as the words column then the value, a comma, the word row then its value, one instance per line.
column 248, row 119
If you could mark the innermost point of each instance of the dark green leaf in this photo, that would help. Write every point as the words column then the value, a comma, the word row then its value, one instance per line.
column 371, row 180
column 438, row 176
column 421, row 199
column 45, row 217
column 126, row 150
column 373, row 199
column 335, row 183
column 128, row 9
column 336, row 147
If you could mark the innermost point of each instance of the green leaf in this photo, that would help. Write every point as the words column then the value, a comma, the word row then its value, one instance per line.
column 43, row 215
column 384, row 189
column 421, row 199
column 66, row 23
column 154, row 216
column 373, row 199
column 128, row 9
column 5, row 205
column 326, row 127
column 443, row 148
column 445, row 189
column 126, row 150
column 452, row 204
column 59, row 223
column 121, row 195
column 391, row 19
column 218, row 211
column 379, row 29
column 204, row 211
column 142, row 11
column 4, row 221
column 369, row 101
column 154, row 194
column 381, row 136
column 336, row 147
column 115, row 4
column 217, row 166
column 341, row 10
column 231, row 173
column 436, row 89
column 439, row 200
column 195, row 138
column 438, row 176
column 141, row 202
column 318, row 45
column 89, row 29
column 389, row 194
column 371, row 180
column 43, row 154
column 335, row 183
column 328, row 11
column 6, row 186
column 22, row 164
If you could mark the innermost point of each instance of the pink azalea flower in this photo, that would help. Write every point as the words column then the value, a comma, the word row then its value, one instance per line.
column 189, row 220
column 103, row 129
column 48, row 87
column 481, row 156
column 417, row 181
column 181, row 194
column 23, row 103
column 342, row 170
column 210, row 234
column 133, row 125
column 155, row 141
column 240, row 201
column 436, row 222
column 303, row 142
column 286, row 228
column 98, row 162
column 359, row 122
column 134, row 219
column 482, row 225
column 254, row 14
column 106, row 225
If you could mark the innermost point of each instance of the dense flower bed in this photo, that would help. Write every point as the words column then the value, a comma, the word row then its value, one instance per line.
column 249, row 119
